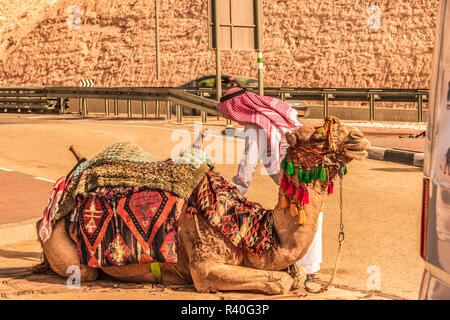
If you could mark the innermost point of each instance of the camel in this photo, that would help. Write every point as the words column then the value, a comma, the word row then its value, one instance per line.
column 212, row 263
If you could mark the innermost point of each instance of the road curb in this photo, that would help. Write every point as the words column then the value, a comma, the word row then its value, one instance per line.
column 12, row 233
column 394, row 155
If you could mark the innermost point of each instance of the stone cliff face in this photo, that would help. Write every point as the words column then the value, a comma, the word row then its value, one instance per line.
column 339, row 43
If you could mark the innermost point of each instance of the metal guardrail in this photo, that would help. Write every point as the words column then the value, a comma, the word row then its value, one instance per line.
column 197, row 98
column 326, row 95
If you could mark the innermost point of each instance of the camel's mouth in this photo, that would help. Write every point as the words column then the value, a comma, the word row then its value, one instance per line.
column 356, row 148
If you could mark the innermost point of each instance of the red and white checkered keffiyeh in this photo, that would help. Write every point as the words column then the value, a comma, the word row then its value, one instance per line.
column 274, row 116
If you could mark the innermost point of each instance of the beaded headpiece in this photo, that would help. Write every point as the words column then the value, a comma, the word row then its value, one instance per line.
column 303, row 166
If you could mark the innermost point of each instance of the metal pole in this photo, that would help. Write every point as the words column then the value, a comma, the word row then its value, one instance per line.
column 157, row 109
column 106, row 107
column 217, row 37
column 372, row 107
column 203, row 113
column 420, row 108
column 62, row 106
column 129, row 111
column 204, row 117
column 259, row 42
column 179, row 113
column 168, row 110
column 144, row 109
column 85, row 107
column 325, row 104
column 157, row 39
column 79, row 105
column 116, row 107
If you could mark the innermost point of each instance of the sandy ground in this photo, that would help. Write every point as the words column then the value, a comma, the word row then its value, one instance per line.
column 381, row 199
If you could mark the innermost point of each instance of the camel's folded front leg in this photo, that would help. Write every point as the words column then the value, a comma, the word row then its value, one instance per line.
column 209, row 276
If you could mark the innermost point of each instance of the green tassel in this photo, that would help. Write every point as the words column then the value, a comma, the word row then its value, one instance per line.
column 300, row 174
column 323, row 174
column 290, row 168
column 315, row 174
column 307, row 178
column 345, row 168
column 284, row 164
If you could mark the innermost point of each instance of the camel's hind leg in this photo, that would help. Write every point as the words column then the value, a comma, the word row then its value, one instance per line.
column 61, row 253
column 209, row 276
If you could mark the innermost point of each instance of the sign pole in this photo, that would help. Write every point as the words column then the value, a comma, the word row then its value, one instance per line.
column 259, row 44
column 218, row 65
column 157, row 39
column 217, row 37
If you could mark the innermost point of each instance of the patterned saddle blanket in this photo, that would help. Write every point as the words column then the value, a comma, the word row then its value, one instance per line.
column 127, row 164
column 125, row 225
column 246, row 224
column 124, row 200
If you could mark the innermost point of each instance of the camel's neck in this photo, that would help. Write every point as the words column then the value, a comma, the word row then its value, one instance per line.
column 294, row 239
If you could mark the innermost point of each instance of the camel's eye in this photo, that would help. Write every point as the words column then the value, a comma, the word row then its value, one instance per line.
column 318, row 137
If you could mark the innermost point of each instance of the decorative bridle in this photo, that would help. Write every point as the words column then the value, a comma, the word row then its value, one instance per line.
column 313, row 165
column 303, row 166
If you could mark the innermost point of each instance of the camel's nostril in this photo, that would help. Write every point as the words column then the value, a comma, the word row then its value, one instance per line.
column 360, row 144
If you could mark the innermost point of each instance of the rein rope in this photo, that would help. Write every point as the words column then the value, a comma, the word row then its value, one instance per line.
column 307, row 160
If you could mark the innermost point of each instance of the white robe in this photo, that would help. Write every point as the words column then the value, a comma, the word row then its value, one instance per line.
column 313, row 258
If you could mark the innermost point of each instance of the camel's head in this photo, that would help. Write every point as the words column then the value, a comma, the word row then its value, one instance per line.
column 315, row 156
column 348, row 142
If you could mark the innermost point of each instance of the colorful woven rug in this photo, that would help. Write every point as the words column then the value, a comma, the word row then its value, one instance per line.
column 126, row 225
column 128, row 165
column 246, row 224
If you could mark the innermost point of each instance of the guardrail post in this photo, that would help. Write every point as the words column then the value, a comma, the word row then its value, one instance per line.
column 372, row 107
column 106, row 107
column 62, row 109
column 179, row 113
column 203, row 113
column 325, row 105
column 129, row 111
column 420, row 108
column 168, row 110
column 204, row 116
column 144, row 109
column 85, row 107
column 116, row 107
column 157, row 109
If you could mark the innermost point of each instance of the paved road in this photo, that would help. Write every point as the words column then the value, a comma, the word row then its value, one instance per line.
column 381, row 199
column 23, row 197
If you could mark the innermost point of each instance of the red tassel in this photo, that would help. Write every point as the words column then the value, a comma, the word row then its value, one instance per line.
column 331, row 187
column 291, row 190
column 300, row 195
column 284, row 184
column 305, row 196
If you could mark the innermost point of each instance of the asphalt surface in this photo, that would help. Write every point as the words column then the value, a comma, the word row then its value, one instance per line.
column 23, row 197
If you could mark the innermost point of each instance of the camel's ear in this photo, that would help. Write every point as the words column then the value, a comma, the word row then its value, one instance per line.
column 291, row 139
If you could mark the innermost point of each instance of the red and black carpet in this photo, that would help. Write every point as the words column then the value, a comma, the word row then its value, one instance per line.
column 125, row 225
column 246, row 224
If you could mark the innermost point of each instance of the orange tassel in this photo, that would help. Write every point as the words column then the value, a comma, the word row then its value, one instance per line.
column 301, row 217
column 284, row 202
column 293, row 210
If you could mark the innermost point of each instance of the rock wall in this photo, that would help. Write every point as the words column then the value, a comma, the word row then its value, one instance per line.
column 307, row 43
